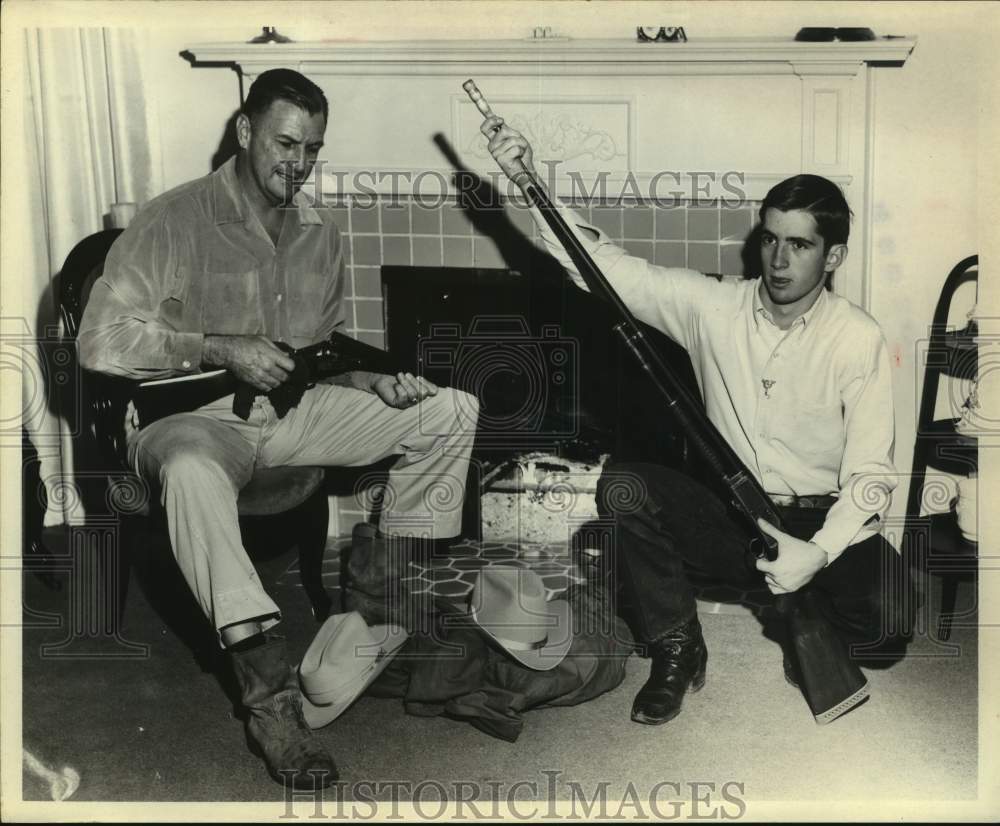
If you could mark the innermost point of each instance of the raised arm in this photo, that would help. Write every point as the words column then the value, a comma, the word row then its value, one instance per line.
column 666, row 298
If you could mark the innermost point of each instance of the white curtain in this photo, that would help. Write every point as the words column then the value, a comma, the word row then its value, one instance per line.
column 90, row 141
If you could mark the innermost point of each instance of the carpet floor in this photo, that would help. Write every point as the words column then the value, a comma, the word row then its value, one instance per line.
column 146, row 718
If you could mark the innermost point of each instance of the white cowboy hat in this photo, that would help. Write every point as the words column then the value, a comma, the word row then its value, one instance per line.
column 341, row 662
column 508, row 603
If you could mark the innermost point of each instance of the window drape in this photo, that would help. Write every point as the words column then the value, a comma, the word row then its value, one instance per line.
column 90, row 141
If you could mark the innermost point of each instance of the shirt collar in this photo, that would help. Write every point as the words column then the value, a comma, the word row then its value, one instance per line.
column 307, row 212
column 816, row 308
column 759, row 310
column 230, row 202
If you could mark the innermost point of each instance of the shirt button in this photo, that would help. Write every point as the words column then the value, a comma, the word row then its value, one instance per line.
column 185, row 364
column 279, row 297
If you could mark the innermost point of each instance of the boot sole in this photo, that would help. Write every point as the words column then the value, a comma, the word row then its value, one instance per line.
column 697, row 684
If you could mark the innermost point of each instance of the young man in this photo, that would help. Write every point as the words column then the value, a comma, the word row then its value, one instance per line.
column 797, row 380
column 210, row 275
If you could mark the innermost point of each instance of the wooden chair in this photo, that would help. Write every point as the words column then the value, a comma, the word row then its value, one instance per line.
column 938, row 546
column 270, row 491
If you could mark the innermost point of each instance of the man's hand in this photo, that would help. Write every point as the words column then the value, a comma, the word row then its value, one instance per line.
column 509, row 148
column 402, row 390
column 797, row 562
column 256, row 360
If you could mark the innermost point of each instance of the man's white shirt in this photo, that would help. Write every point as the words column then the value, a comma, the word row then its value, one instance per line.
column 808, row 410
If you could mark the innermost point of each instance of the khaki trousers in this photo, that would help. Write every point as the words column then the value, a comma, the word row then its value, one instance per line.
column 197, row 462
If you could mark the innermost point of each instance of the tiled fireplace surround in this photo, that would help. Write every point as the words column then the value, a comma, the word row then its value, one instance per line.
column 398, row 230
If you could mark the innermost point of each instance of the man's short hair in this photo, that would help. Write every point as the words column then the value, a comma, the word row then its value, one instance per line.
column 818, row 196
column 284, row 84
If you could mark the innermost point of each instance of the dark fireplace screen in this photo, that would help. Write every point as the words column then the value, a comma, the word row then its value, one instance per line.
column 539, row 354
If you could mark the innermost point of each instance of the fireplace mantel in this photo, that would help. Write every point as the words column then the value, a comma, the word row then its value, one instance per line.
column 559, row 56
column 710, row 118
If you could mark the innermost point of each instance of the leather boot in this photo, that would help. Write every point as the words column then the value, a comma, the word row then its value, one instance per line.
column 269, row 689
column 375, row 568
column 678, row 667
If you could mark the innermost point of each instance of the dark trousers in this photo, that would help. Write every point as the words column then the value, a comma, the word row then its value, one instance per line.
column 669, row 525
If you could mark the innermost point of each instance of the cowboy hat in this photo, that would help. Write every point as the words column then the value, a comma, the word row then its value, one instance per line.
column 345, row 656
column 508, row 603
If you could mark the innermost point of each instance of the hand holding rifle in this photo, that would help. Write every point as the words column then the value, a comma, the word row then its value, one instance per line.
column 253, row 360
column 509, row 148
column 797, row 563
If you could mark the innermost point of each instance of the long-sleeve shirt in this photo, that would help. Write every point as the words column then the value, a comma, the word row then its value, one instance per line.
column 196, row 261
column 808, row 410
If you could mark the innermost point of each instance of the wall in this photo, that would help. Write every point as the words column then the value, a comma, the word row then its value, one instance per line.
column 925, row 173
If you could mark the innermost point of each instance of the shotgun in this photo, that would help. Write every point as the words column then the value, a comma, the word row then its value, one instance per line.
column 831, row 682
column 338, row 354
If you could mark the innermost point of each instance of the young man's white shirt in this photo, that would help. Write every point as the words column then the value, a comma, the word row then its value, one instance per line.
column 808, row 410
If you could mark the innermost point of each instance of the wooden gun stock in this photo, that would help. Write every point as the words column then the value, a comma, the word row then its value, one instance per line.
column 831, row 683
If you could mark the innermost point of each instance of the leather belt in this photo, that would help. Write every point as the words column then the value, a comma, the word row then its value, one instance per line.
column 782, row 500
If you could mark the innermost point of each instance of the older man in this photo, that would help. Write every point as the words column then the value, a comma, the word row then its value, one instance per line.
column 210, row 275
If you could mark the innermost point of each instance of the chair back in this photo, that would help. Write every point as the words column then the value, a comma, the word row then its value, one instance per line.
column 941, row 358
column 105, row 396
column 84, row 265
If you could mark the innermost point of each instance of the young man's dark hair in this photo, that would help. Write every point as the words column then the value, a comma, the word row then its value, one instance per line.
column 818, row 196
column 285, row 84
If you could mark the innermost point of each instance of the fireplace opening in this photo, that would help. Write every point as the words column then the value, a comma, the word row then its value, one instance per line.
column 559, row 395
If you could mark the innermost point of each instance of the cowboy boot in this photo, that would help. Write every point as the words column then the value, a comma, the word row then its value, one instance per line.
column 678, row 667
column 269, row 689
column 375, row 568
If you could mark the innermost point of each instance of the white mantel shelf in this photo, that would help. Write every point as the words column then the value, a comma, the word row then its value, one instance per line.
column 552, row 56
column 610, row 110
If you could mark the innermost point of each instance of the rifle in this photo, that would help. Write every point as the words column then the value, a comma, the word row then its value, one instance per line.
column 338, row 354
column 832, row 684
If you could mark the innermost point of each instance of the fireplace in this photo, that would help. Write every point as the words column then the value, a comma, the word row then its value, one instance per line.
column 558, row 393
column 539, row 354
column 613, row 117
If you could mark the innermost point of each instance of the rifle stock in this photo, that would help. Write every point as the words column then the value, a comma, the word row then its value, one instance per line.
column 832, row 683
